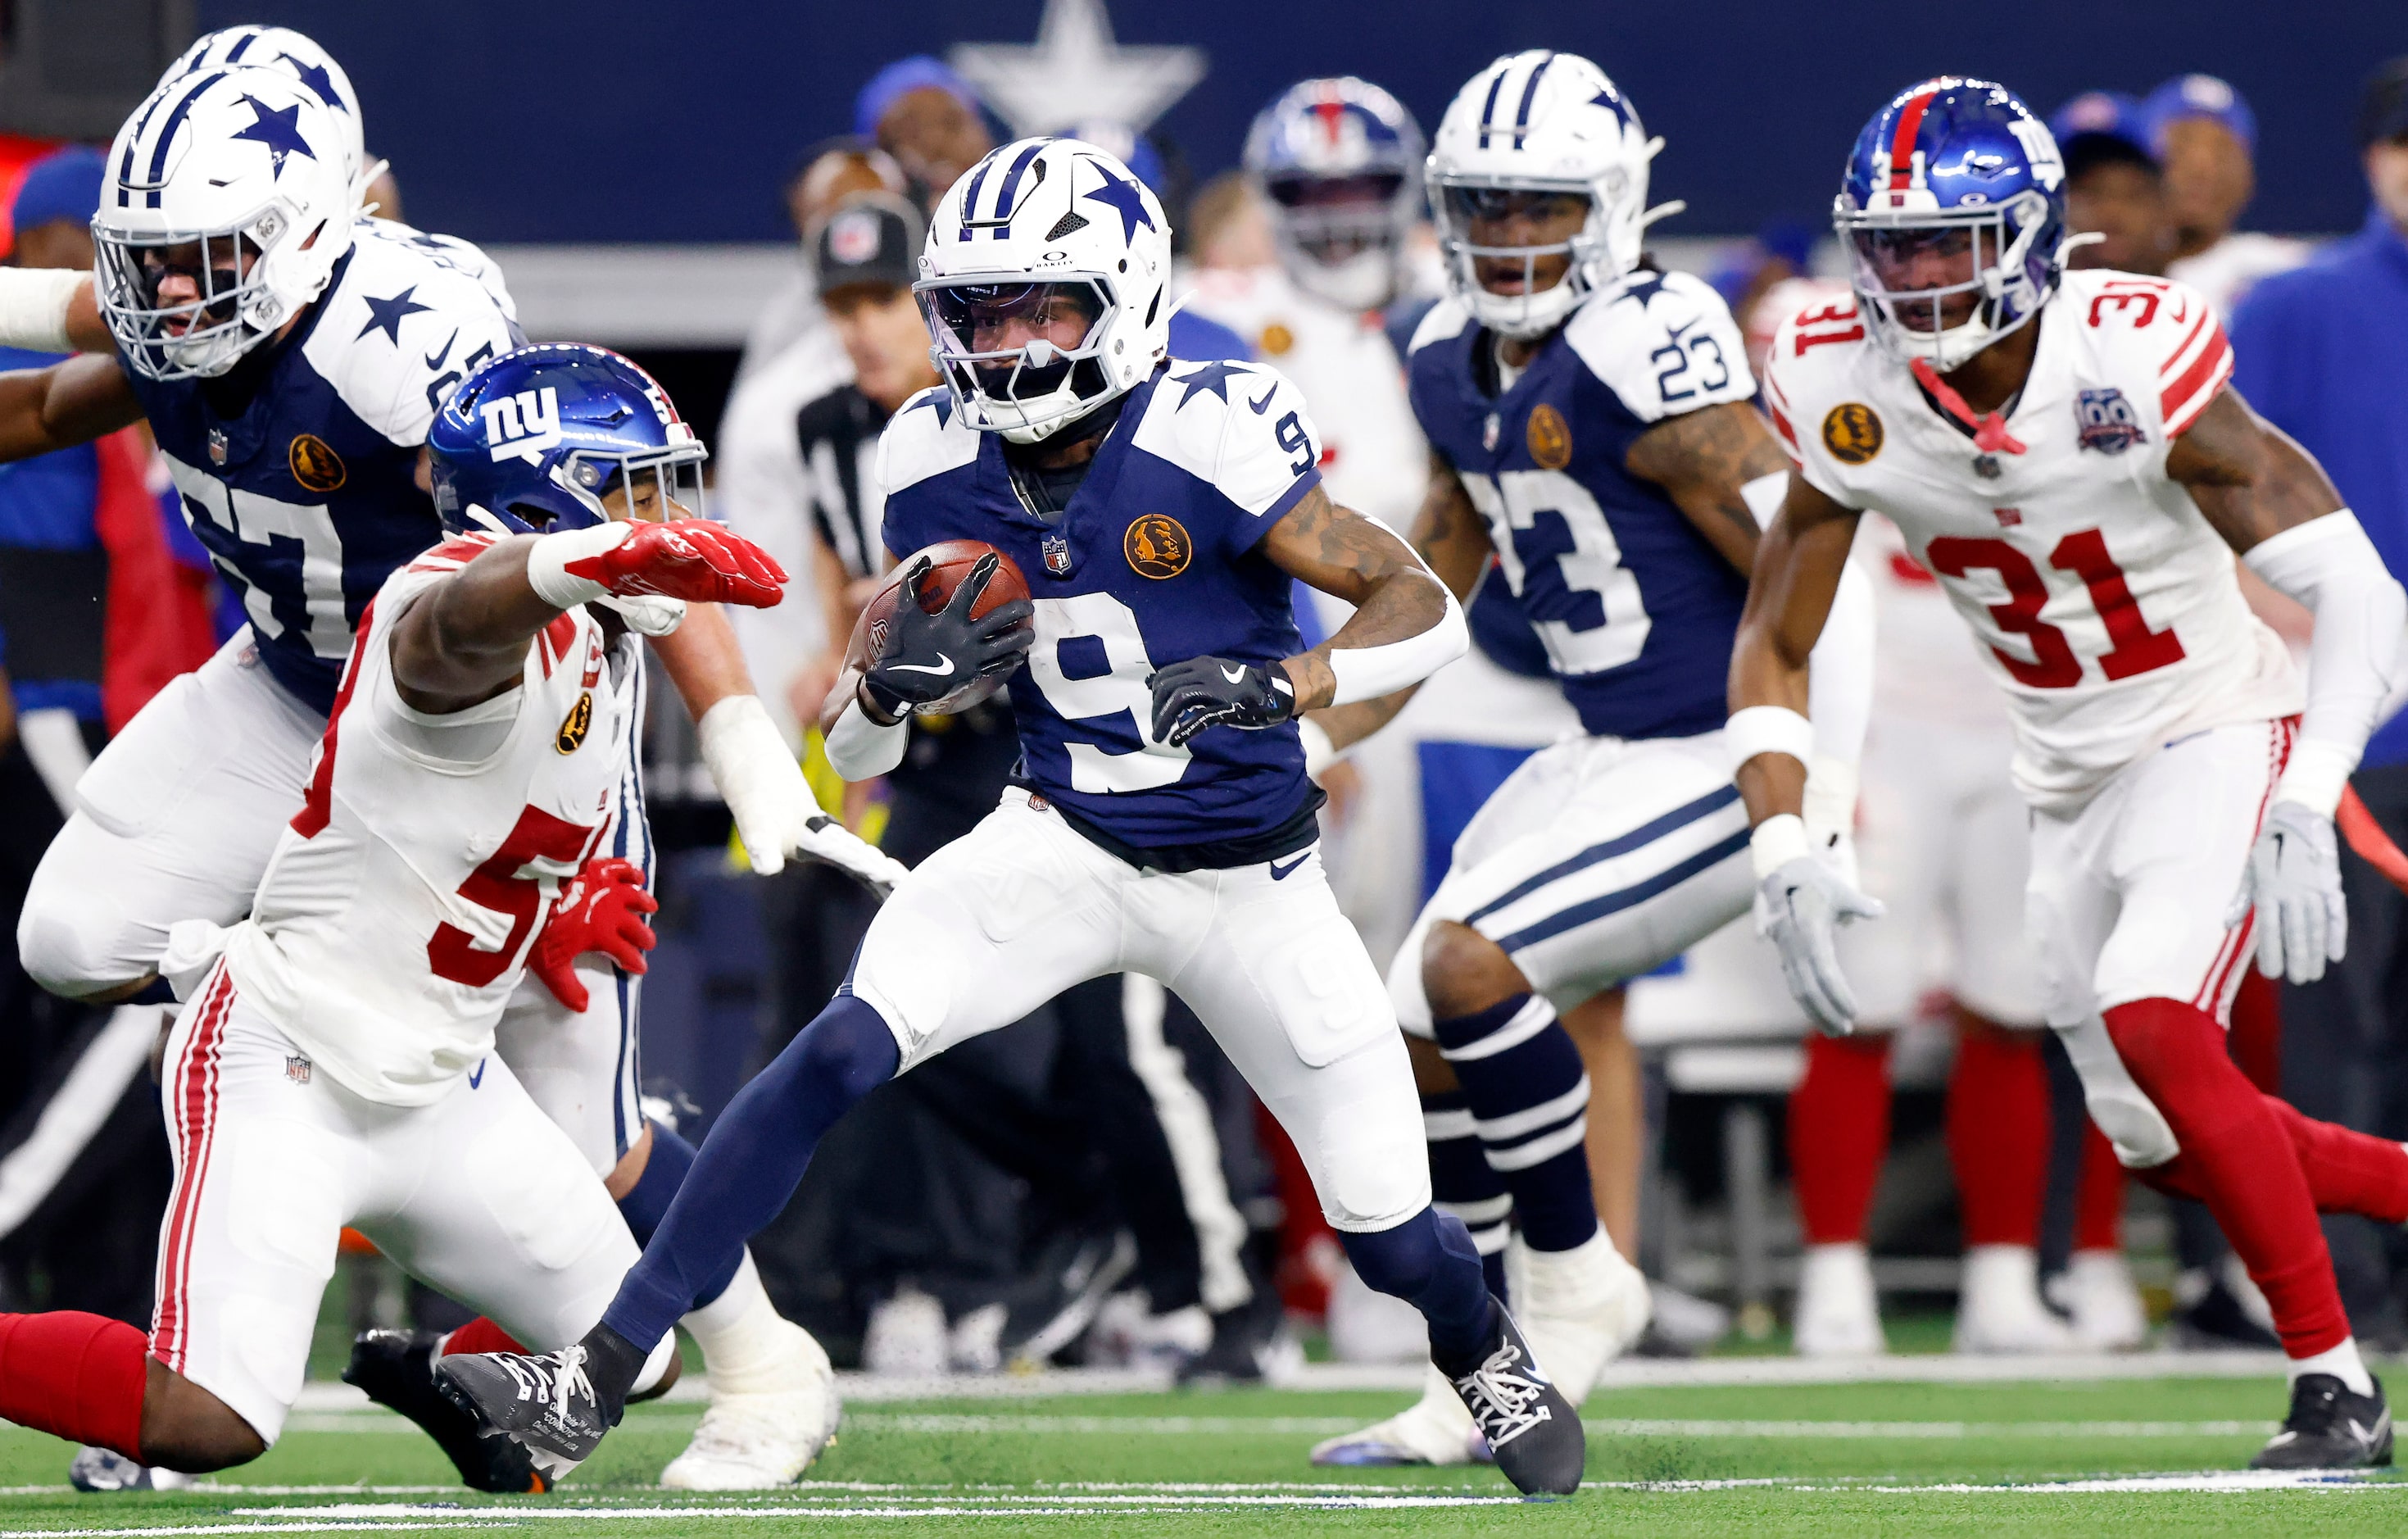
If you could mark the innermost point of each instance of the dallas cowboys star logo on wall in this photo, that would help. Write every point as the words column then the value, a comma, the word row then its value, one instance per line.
column 279, row 128
column 1076, row 74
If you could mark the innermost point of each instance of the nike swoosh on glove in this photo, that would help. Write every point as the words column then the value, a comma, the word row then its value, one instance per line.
column 689, row 558
column 2293, row 880
column 602, row 909
column 929, row 656
column 1799, row 909
column 1205, row 692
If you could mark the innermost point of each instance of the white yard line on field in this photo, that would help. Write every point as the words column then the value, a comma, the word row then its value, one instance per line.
column 970, row 1424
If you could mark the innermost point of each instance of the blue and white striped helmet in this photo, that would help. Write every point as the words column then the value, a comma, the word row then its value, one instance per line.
column 1338, row 163
column 282, row 47
column 227, row 204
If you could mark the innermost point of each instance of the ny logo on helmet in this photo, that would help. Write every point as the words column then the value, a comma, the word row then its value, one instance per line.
column 524, row 425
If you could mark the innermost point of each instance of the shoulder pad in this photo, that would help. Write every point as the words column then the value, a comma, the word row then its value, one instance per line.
column 2163, row 332
column 1664, row 344
column 924, row 438
column 403, row 328
column 1240, row 428
column 1445, row 319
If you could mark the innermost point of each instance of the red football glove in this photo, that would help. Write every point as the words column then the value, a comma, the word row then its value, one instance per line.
column 601, row 910
column 690, row 558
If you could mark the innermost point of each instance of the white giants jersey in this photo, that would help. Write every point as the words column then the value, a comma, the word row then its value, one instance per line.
column 396, row 917
column 1372, row 456
column 2110, row 610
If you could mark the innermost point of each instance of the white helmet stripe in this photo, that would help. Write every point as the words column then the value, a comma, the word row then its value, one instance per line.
column 159, row 138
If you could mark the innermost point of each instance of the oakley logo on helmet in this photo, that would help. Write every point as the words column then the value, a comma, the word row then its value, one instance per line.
column 524, row 425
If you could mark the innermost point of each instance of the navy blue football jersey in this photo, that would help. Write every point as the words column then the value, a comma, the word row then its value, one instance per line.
column 305, row 496
column 1154, row 561
column 1636, row 610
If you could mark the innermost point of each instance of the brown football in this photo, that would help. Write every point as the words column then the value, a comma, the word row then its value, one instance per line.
column 952, row 560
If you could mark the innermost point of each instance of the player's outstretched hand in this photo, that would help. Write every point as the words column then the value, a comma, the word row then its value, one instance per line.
column 2293, row 880
column 1205, row 692
column 690, row 558
column 929, row 656
column 602, row 909
column 1800, row 908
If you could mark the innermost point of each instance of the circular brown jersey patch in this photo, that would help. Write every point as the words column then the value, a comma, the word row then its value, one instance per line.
column 574, row 726
column 1276, row 339
column 1549, row 438
column 314, row 463
column 1852, row 431
column 1157, row 546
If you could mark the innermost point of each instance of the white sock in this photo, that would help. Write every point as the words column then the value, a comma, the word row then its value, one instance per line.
column 2343, row 1362
column 744, row 1340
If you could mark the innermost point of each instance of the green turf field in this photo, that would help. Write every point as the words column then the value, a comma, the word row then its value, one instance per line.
column 1863, row 1458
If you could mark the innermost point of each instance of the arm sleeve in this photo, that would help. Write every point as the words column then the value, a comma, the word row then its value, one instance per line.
column 2354, row 660
column 1839, row 670
column 860, row 749
column 1366, row 673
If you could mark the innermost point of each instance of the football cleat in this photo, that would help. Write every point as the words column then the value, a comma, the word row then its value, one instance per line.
column 396, row 1370
column 551, row 1405
column 99, row 1469
column 2096, row 1289
column 1437, row 1429
column 1839, row 1313
column 1532, row 1431
column 2331, row 1427
column 1999, row 1308
column 1582, row 1308
column 763, row 1439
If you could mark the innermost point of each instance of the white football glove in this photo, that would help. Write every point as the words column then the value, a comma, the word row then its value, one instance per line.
column 1799, row 909
column 2293, row 880
column 776, row 814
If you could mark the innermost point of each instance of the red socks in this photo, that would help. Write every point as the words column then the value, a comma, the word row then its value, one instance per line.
column 1839, row 1130
column 480, row 1335
column 2237, row 1158
column 2098, row 1200
column 1998, row 1132
column 79, row 1376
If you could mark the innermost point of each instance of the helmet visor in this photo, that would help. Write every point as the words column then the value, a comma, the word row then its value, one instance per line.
column 1519, row 240
column 1014, row 341
column 1929, row 276
column 1336, row 219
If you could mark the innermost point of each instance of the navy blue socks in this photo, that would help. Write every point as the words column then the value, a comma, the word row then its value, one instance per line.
column 1529, row 1096
column 1463, row 1184
column 647, row 1202
column 1429, row 1263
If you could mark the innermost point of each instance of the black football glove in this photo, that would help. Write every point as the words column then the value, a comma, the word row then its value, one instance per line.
column 1205, row 692
column 929, row 656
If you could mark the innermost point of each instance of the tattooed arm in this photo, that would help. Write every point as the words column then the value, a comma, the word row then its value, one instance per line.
column 1701, row 459
column 1403, row 617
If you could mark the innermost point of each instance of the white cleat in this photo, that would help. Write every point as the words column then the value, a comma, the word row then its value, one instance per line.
column 1839, row 1315
column 1579, row 1309
column 1999, row 1308
column 2096, row 1289
column 1435, row 1429
column 761, row 1439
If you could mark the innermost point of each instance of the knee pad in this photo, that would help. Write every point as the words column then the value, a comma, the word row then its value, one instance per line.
column 2132, row 1123
column 74, row 939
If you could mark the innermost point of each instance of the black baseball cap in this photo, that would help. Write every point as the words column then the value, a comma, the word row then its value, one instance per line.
column 870, row 239
column 2383, row 112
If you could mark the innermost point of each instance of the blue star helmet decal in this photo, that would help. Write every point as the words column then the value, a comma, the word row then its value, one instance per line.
column 321, row 84
column 1123, row 194
column 1213, row 377
column 1611, row 98
column 386, row 315
column 279, row 129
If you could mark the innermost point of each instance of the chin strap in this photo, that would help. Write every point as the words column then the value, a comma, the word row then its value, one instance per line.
column 1990, row 435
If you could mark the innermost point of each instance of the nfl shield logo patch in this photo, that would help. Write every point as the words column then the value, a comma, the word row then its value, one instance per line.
column 296, row 1069
column 1057, row 553
column 217, row 446
column 2106, row 421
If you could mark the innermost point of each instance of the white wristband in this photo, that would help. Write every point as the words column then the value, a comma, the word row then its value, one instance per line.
column 2316, row 775
column 34, row 306
column 1319, row 752
column 1768, row 729
column 861, row 749
column 1777, row 840
column 548, row 562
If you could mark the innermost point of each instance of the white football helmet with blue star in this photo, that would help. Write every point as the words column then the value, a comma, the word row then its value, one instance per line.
column 226, row 205
column 1540, row 123
column 282, row 47
column 1040, row 233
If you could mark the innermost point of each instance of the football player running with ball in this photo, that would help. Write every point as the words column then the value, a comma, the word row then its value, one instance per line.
column 1591, row 429
column 2061, row 451
column 1158, row 510
column 336, row 1064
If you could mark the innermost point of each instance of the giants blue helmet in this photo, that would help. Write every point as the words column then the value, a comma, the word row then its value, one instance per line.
column 536, row 442
column 1953, row 213
column 1338, row 163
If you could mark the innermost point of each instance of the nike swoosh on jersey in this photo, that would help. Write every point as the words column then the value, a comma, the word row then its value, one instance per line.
column 479, row 1077
column 1234, row 675
column 944, row 665
column 1281, row 874
column 1265, row 404
column 435, row 359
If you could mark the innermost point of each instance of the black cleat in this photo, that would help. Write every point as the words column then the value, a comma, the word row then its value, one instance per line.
column 1533, row 1431
column 557, row 1407
column 2331, row 1427
column 396, row 1368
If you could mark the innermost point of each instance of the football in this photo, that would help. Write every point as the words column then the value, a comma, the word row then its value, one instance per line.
column 952, row 560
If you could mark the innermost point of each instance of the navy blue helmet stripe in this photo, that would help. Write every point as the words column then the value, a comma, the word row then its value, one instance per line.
column 167, row 133
column 1488, row 107
column 970, row 194
column 1529, row 95
column 126, row 161
column 241, row 46
column 1010, row 188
